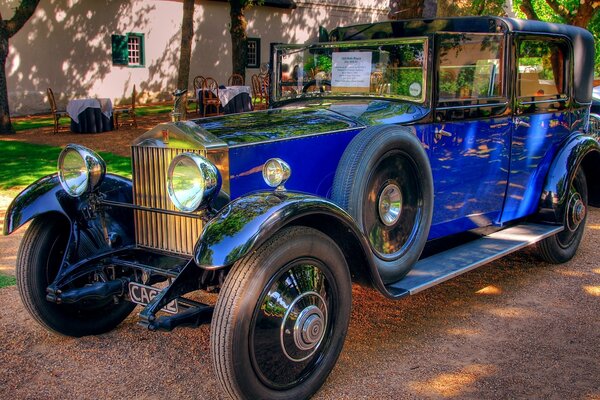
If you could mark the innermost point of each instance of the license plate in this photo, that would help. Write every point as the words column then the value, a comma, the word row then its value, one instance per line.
column 142, row 294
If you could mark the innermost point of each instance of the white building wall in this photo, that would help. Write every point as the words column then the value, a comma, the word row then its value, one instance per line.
column 66, row 45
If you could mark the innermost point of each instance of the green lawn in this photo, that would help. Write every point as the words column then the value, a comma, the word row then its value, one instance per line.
column 24, row 163
column 40, row 122
column 7, row 280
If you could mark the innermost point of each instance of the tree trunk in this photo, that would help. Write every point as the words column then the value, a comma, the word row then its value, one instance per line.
column 430, row 8
column 527, row 9
column 5, row 124
column 8, row 28
column 239, row 47
column 406, row 9
column 185, row 53
column 584, row 15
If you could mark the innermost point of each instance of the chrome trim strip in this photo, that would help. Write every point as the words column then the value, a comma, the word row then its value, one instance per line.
column 526, row 103
column 149, row 209
column 445, row 108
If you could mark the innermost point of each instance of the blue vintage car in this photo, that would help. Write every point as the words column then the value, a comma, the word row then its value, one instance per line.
column 397, row 155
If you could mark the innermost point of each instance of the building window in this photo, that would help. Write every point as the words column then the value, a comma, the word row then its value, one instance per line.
column 128, row 49
column 253, row 53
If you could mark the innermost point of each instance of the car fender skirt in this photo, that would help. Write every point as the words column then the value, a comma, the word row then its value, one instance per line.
column 47, row 195
column 562, row 170
column 247, row 222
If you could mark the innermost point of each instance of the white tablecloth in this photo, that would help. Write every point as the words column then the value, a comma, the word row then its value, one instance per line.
column 75, row 107
column 225, row 95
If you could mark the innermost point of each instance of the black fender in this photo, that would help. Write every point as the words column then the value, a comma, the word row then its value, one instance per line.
column 562, row 171
column 47, row 196
column 248, row 221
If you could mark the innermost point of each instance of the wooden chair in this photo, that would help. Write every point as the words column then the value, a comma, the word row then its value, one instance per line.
column 376, row 83
column 235, row 80
column 265, row 85
column 198, row 81
column 210, row 97
column 260, row 99
column 126, row 111
column 56, row 114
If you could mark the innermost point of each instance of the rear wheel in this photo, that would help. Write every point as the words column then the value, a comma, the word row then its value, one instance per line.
column 281, row 318
column 38, row 261
column 562, row 247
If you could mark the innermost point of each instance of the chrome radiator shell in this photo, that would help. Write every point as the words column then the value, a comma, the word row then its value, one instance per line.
column 151, row 155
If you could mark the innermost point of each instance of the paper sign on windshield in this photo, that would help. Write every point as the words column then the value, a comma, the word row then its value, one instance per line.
column 351, row 71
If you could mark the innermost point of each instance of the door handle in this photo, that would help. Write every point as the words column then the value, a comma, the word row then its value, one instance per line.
column 519, row 122
column 440, row 132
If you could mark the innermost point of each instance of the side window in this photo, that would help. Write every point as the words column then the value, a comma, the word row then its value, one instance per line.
column 128, row 49
column 541, row 69
column 470, row 67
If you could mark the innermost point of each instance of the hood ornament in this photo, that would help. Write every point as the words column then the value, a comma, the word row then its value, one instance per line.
column 176, row 113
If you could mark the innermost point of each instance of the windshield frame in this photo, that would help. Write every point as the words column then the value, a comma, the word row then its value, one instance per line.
column 353, row 44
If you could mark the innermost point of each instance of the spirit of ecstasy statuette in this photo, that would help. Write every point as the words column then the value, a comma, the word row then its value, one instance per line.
column 176, row 113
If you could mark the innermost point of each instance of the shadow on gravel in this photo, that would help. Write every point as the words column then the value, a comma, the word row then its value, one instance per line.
column 517, row 328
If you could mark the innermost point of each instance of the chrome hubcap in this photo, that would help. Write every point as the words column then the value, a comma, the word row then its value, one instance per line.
column 306, row 326
column 309, row 328
column 576, row 212
column 390, row 204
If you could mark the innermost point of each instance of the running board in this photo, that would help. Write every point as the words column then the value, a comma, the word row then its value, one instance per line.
column 440, row 267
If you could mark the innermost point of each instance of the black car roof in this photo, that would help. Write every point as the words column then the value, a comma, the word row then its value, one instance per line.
column 582, row 40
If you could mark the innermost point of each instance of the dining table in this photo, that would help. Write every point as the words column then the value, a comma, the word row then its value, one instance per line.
column 91, row 115
column 234, row 99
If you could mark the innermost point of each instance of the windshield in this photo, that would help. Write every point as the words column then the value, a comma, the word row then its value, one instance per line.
column 394, row 68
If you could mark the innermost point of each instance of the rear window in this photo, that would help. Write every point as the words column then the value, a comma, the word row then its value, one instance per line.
column 541, row 68
column 470, row 67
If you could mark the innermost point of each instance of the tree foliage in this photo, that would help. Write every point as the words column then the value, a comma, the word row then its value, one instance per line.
column 8, row 28
column 448, row 8
column 582, row 13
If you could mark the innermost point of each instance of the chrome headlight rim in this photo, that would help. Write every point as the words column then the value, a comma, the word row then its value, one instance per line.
column 280, row 177
column 93, row 168
column 207, row 172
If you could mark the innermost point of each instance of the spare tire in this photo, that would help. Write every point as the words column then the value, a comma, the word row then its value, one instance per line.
column 384, row 181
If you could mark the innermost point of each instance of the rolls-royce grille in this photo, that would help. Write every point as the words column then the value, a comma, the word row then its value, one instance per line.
column 172, row 233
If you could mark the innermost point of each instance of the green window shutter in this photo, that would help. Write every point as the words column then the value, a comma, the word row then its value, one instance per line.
column 119, row 50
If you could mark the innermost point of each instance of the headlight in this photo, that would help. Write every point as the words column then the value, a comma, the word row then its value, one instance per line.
column 276, row 172
column 80, row 169
column 191, row 181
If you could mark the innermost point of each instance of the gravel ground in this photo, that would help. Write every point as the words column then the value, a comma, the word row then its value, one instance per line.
column 517, row 328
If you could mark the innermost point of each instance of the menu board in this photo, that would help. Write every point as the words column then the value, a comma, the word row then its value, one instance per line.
column 351, row 71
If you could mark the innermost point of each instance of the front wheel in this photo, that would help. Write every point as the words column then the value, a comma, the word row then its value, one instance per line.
column 282, row 316
column 38, row 262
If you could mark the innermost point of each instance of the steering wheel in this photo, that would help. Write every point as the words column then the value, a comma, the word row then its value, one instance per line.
column 313, row 82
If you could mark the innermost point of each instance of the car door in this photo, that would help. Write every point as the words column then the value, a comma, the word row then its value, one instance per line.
column 541, row 118
column 470, row 137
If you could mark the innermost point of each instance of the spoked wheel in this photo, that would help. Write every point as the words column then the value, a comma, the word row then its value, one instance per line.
column 384, row 181
column 38, row 261
column 282, row 316
column 562, row 247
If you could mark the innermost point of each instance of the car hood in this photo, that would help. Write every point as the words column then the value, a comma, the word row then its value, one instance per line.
column 307, row 119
